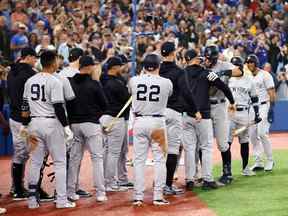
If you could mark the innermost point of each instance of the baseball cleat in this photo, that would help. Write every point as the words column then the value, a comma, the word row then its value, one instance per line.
column 68, row 204
column 3, row 210
column 172, row 191
column 160, row 202
column 101, row 198
column 248, row 172
column 209, row 185
column 44, row 196
column 190, row 185
column 225, row 180
column 83, row 193
column 74, row 198
column 128, row 185
column 138, row 203
column 20, row 196
column 257, row 167
column 116, row 189
column 269, row 166
column 33, row 203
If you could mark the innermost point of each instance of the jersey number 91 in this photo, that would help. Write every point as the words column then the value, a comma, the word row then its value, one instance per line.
column 38, row 92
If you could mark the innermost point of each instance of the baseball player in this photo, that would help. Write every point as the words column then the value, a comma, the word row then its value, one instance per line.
column 244, row 91
column 117, row 95
column 197, row 123
column 84, row 113
column 260, row 133
column 219, row 114
column 150, row 94
column 67, row 72
column 173, row 114
column 20, row 72
column 43, row 103
column 5, row 131
column 122, row 172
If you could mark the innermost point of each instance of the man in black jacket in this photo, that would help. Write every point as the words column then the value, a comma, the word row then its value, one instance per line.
column 173, row 114
column 197, row 123
column 19, row 74
column 117, row 95
column 84, row 113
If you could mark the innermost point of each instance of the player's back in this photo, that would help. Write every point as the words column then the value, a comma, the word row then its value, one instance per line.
column 42, row 91
column 150, row 94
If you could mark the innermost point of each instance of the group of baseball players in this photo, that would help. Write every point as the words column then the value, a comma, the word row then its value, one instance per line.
column 173, row 108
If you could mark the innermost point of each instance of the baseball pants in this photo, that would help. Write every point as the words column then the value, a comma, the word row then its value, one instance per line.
column 237, row 120
column 122, row 168
column 50, row 135
column 219, row 118
column 21, row 153
column 90, row 135
column 174, row 130
column 259, row 135
column 143, row 128
column 198, row 133
column 113, row 142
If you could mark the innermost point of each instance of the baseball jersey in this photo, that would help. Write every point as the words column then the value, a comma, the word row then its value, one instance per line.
column 67, row 89
column 263, row 81
column 68, row 72
column 150, row 94
column 216, row 94
column 242, row 88
column 41, row 91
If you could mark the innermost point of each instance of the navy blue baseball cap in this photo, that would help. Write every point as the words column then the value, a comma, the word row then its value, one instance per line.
column 167, row 48
column 86, row 61
column 190, row 54
column 28, row 51
column 114, row 61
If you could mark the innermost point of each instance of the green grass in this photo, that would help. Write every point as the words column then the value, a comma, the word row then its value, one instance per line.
column 263, row 195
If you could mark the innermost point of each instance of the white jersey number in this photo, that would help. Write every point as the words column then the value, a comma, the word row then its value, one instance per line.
column 38, row 92
column 152, row 93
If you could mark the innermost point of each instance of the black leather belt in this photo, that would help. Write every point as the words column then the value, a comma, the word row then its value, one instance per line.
column 43, row 117
column 264, row 102
column 241, row 108
column 213, row 102
column 156, row 115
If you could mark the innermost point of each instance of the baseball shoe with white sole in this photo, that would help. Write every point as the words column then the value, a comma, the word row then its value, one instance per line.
column 269, row 166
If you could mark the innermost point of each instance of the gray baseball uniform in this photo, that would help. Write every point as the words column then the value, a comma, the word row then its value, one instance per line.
column 219, row 113
column 122, row 168
column 242, row 88
column 113, row 142
column 149, row 99
column 42, row 91
column 68, row 71
column 259, row 133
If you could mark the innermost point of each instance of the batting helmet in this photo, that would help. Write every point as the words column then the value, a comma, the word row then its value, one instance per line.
column 237, row 60
column 252, row 59
column 211, row 52
column 151, row 62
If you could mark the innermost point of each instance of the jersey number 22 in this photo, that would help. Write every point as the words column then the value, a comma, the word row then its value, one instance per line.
column 151, row 93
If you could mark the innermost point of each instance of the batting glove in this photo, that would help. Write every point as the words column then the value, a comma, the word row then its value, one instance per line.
column 271, row 115
column 212, row 76
column 68, row 134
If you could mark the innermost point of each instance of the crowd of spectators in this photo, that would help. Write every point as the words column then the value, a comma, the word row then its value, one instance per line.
column 103, row 28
